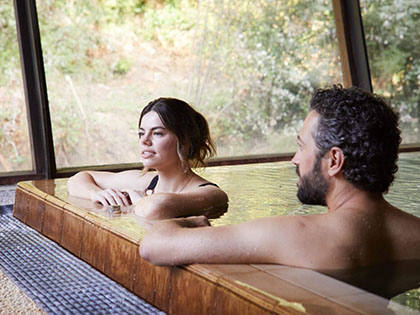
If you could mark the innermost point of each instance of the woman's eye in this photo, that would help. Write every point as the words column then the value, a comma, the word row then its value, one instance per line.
column 157, row 133
column 141, row 134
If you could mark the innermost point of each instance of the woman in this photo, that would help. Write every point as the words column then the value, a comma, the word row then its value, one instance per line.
column 173, row 139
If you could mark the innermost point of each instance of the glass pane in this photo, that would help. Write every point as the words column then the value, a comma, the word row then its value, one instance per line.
column 248, row 66
column 15, row 149
column 391, row 29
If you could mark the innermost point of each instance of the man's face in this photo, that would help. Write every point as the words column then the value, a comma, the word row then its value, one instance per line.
column 312, row 185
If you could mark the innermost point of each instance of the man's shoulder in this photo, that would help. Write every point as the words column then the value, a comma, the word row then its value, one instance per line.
column 405, row 222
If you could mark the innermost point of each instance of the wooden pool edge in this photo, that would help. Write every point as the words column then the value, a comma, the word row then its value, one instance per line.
column 194, row 289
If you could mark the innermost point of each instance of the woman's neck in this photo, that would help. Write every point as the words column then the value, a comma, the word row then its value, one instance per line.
column 173, row 182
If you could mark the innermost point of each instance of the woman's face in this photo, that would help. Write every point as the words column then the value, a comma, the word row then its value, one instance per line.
column 158, row 145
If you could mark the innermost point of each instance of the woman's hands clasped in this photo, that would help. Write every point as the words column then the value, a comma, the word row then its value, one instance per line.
column 110, row 196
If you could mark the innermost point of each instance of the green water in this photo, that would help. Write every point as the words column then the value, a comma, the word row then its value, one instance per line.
column 269, row 189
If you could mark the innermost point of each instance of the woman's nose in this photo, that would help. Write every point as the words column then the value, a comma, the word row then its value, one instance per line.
column 145, row 139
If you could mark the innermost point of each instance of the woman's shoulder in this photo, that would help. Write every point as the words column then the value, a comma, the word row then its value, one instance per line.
column 197, row 182
column 200, row 186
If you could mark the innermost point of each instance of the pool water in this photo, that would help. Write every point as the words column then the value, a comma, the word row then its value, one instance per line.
column 269, row 189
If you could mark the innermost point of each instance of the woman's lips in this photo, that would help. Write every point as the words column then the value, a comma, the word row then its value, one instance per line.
column 147, row 154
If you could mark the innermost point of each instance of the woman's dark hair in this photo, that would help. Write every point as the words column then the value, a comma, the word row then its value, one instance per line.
column 191, row 128
column 365, row 128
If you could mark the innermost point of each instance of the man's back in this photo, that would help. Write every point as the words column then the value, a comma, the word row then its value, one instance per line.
column 372, row 235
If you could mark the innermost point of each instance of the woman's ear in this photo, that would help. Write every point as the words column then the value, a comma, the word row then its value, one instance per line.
column 335, row 161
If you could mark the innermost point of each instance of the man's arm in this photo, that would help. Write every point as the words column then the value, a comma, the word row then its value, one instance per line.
column 210, row 201
column 282, row 240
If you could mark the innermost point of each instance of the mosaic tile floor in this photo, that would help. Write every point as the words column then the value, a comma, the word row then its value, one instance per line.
column 50, row 278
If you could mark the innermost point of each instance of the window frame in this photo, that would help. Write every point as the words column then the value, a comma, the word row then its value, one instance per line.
column 35, row 89
column 354, row 63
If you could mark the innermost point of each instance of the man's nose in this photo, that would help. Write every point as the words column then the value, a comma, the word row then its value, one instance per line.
column 295, row 159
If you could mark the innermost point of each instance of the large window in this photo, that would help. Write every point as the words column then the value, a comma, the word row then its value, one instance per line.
column 248, row 66
column 15, row 151
column 392, row 38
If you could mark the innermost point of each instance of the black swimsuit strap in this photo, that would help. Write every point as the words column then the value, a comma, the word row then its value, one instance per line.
column 155, row 180
column 153, row 183
column 206, row 184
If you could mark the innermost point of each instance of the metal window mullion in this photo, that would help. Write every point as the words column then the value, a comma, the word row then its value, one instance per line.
column 352, row 44
column 34, row 82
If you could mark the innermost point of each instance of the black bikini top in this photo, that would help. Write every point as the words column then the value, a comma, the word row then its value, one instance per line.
column 155, row 180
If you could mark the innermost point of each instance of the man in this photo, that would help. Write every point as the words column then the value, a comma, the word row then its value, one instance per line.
column 346, row 160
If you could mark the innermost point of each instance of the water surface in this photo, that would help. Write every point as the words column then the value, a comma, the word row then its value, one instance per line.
column 268, row 189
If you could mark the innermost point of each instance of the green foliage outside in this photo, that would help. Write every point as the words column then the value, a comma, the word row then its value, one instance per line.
column 249, row 66
column 391, row 30
column 14, row 143
column 9, row 56
column 411, row 299
column 273, row 54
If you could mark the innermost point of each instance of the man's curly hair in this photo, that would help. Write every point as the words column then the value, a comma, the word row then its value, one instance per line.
column 365, row 128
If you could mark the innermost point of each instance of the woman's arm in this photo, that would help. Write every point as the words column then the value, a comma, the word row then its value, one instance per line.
column 209, row 200
column 105, row 187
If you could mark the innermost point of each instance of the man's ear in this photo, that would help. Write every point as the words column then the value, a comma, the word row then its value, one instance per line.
column 335, row 161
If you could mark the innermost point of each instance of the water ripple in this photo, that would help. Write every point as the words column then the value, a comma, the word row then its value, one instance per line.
column 269, row 189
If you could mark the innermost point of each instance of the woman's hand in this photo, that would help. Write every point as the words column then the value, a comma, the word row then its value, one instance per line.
column 134, row 195
column 111, row 196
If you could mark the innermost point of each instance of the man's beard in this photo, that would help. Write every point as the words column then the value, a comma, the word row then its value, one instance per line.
column 313, row 186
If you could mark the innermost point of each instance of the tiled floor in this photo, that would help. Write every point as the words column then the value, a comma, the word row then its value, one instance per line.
column 7, row 194
column 13, row 299
column 56, row 280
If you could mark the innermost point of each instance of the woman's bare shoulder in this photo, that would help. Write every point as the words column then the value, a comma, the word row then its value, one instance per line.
column 198, row 182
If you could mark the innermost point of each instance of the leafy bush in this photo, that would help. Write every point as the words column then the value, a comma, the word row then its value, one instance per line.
column 391, row 29
column 271, row 55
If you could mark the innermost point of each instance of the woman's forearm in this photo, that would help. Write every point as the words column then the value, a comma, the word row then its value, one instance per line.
column 82, row 185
